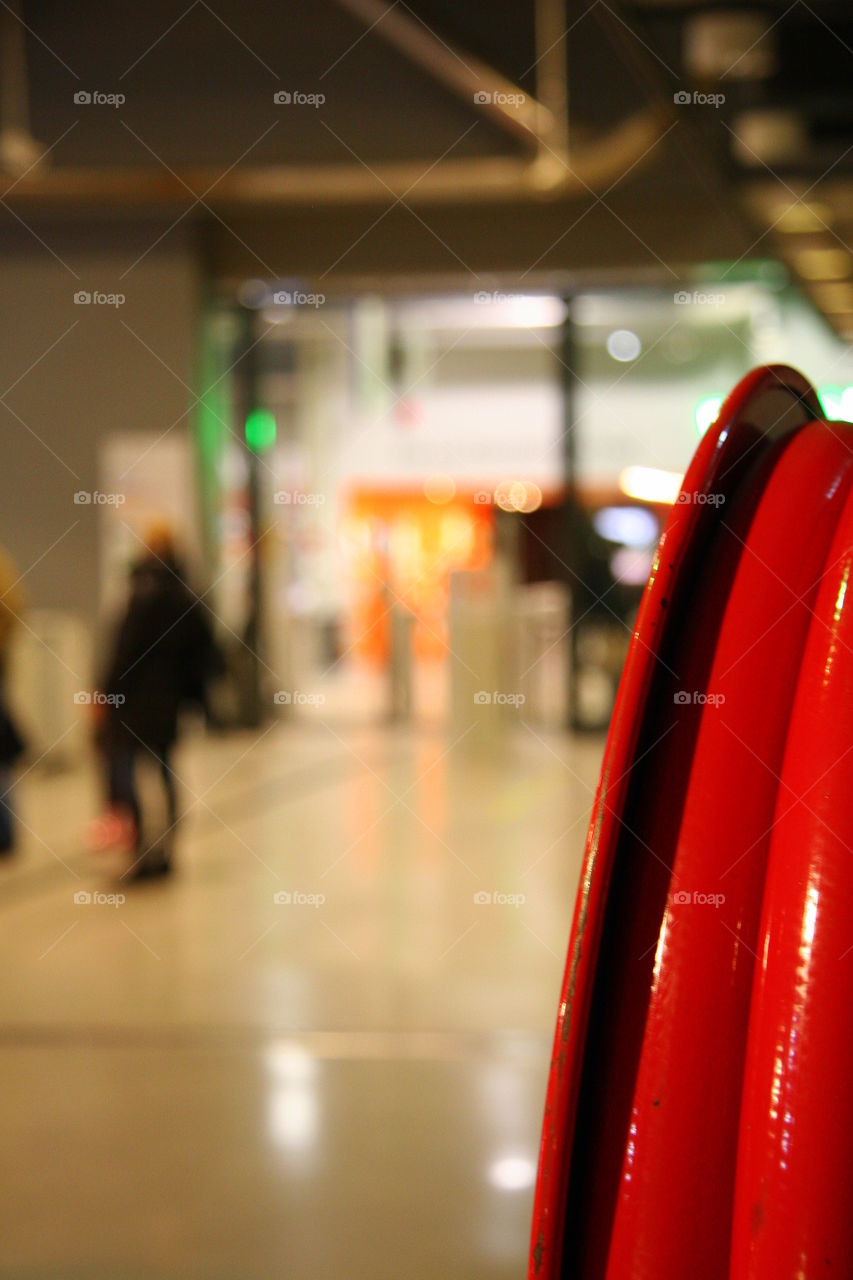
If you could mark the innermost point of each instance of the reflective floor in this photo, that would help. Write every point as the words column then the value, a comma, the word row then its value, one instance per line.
column 346, row 1080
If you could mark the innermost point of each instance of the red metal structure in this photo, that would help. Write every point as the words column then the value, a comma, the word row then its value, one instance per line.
column 699, row 1108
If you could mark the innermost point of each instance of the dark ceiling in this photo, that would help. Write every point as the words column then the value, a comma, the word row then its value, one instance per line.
column 199, row 80
column 772, row 125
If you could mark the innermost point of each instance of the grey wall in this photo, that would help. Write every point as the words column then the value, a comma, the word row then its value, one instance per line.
column 70, row 374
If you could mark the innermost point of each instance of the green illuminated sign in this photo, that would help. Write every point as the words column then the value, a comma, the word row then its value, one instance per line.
column 706, row 412
column 260, row 430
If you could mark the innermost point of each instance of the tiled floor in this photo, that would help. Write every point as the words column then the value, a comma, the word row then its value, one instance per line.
column 202, row 1081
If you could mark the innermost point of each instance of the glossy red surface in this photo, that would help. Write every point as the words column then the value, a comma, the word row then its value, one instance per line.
column 794, row 1192
column 634, row 826
column 684, row 1115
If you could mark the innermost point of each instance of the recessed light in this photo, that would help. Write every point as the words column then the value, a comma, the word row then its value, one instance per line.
column 768, row 136
column 624, row 345
column 513, row 1173
column 650, row 484
column 802, row 217
column 822, row 264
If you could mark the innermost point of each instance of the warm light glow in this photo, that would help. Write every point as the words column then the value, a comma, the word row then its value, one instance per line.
column 518, row 495
column 802, row 217
column 405, row 543
column 292, row 1118
column 823, row 264
column 292, row 1108
column 810, row 916
column 650, row 484
column 536, row 312
column 440, row 489
column 842, row 592
column 513, row 1173
column 489, row 309
column 289, row 1063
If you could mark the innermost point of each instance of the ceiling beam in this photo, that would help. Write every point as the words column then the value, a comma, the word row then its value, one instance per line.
column 594, row 165
column 476, row 83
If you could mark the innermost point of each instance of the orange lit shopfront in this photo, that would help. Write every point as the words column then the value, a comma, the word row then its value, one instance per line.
column 400, row 548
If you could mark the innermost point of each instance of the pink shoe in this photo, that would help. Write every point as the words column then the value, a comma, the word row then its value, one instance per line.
column 113, row 831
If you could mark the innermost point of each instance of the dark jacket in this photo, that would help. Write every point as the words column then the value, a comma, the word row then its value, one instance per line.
column 162, row 657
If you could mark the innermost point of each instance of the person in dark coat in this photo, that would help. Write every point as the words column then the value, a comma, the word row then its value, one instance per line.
column 11, row 742
column 161, row 658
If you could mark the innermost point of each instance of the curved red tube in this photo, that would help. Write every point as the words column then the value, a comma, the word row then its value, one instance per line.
column 794, row 1194
column 678, row 1169
column 625, row 879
